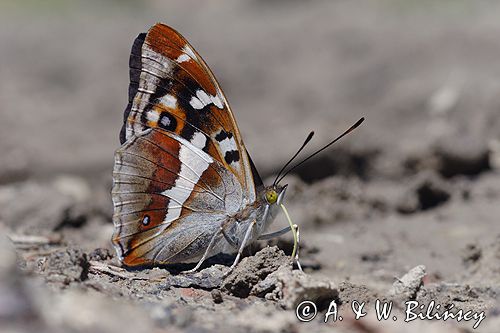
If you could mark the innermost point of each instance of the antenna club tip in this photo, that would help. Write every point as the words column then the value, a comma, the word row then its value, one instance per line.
column 309, row 137
column 359, row 122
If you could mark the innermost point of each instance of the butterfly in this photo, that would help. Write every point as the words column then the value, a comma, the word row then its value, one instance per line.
column 184, row 185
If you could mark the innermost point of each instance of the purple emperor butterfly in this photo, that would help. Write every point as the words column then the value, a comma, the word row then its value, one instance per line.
column 184, row 186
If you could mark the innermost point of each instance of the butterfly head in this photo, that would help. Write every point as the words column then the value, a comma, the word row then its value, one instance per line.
column 275, row 194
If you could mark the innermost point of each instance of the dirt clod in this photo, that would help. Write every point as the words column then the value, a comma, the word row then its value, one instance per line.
column 252, row 270
column 290, row 287
column 406, row 288
column 208, row 278
column 100, row 254
column 67, row 266
column 217, row 296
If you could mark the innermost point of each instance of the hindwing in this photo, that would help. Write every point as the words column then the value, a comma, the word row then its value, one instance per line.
column 169, row 196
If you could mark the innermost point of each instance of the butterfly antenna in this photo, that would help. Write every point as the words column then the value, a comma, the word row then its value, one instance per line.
column 349, row 130
column 306, row 141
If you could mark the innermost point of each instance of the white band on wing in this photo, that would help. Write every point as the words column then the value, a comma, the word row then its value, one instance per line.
column 192, row 167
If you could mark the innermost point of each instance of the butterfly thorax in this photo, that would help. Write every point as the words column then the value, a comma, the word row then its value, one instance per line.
column 261, row 211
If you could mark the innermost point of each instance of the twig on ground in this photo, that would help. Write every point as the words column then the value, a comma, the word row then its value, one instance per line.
column 26, row 241
column 100, row 267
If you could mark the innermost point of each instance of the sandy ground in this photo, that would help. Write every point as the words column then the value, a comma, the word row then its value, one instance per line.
column 405, row 209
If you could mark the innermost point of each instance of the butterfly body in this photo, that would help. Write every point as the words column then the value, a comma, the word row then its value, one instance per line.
column 261, row 211
column 184, row 186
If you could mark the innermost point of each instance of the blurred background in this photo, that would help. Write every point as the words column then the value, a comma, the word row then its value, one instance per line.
column 421, row 73
column 417, row 183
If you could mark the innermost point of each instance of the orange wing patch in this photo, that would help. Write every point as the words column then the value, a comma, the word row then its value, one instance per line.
column 174, row 90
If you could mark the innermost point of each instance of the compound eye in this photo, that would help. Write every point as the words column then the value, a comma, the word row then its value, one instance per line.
column 271, row 196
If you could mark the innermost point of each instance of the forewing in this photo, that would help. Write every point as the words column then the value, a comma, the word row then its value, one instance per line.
column 173, row 89
column 169, row 198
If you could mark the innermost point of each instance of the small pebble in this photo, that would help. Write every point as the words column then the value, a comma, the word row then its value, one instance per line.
column 217, row 296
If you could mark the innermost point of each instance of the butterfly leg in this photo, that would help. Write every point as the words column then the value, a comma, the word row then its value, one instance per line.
column 296, row 227
column 229, row 239
column 242, row 246
column 207, row 251
column 275, row 234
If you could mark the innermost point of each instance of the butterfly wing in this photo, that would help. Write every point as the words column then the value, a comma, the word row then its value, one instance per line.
column 182, row 168
column 173, row 89
column 168, row 196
